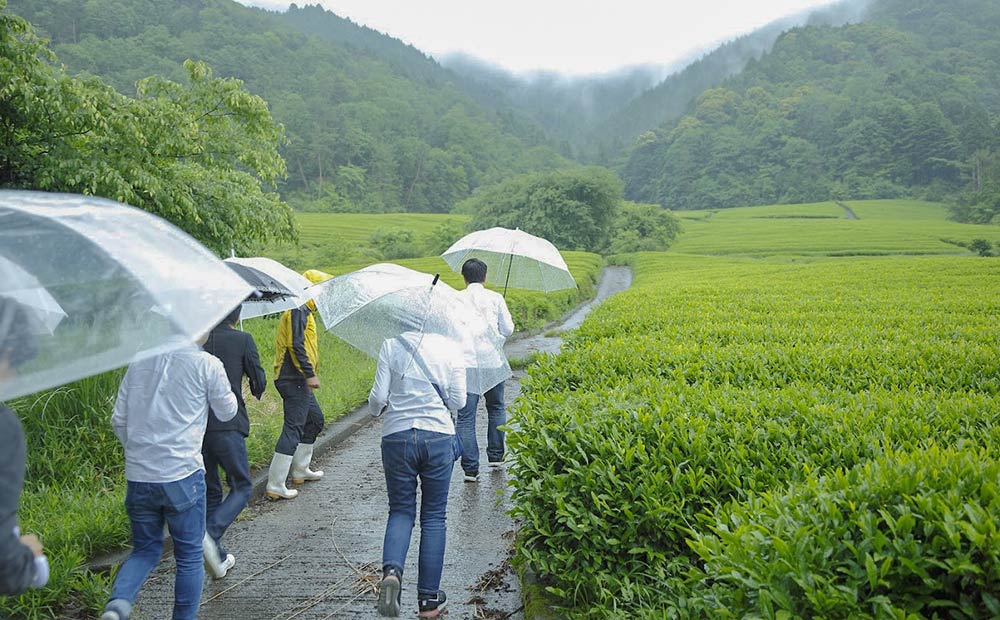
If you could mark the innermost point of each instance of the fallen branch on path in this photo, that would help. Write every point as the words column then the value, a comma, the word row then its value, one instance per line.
column 239, row 583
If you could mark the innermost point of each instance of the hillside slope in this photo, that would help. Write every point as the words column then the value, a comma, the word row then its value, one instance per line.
column 897, row 105
column 372, row 124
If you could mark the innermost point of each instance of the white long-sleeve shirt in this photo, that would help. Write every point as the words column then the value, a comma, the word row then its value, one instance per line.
column 405, row 393
column 492, row 306
column 162, row 410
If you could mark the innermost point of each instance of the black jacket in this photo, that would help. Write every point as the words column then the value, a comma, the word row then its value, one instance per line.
column 238, row 353
column 17, row 562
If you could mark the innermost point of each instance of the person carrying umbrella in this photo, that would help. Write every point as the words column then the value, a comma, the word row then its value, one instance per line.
column 160, row 417
column 225, row 443
column 296, row 360
column 23, row 564
column 418, row 381
column 492, row 309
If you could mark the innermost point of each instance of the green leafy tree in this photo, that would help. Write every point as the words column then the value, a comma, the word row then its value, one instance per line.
column 574, row 209
column 200, row 154
column 643, row 227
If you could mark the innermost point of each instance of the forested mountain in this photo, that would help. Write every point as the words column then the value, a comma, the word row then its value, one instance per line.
column 570, row 108
column 905, row 102
column 594, row 119
column 371, row 124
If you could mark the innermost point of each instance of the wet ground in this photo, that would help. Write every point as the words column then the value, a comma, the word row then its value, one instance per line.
column 317, row 557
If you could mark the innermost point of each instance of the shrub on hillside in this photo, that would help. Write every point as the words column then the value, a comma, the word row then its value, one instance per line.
column 907, row 536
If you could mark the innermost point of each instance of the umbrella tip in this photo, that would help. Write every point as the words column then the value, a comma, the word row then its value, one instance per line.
column 437, row 276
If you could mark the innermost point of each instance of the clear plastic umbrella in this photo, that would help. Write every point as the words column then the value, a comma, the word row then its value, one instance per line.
column 282, row 276
column 378, row 303
column 128, row 285
column 513, row 258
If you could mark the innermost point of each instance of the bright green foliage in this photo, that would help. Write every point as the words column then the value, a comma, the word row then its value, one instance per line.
column 716, row 380
column 643, row 228
column 911, row 535
column 329, row 239
column 196, row 154
column 574, row 209
column 884, row 227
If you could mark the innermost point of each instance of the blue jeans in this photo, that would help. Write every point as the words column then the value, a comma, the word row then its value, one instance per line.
column 465, row 426
column 182, row 505
column 303, row 417
column 226, row 449
column 407, row 456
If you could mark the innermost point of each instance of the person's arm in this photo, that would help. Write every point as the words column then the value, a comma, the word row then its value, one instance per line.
column 221, row 399
column 252, row 368
column 378, row 398
column 505, row 324
column 298, row 319
column 17, row 560
column 119, row 416
column 455, row 390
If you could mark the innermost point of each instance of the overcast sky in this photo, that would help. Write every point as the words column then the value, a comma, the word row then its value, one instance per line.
column 570, row 36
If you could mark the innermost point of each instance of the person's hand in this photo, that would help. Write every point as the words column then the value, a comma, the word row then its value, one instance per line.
column 313, row 383
column 31, row 542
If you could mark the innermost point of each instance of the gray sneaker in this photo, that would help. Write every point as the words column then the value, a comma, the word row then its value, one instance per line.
column 117, row 609
column 390, row 593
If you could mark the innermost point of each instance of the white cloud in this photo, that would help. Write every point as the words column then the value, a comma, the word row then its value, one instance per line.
column 572, row 36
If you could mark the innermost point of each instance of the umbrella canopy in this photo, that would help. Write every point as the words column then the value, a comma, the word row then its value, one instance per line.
column 20, row 286
column 513, row 258
column 282, row 288
column 369, row 306
column 128, row 285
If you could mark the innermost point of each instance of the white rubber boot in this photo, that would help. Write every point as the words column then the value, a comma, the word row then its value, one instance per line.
column 276, row 475
column 300, row 465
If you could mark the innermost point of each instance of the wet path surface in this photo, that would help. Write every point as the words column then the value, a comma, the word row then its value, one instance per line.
column 318, row 557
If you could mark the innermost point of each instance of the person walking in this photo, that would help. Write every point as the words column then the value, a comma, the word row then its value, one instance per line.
column 225, row 443
column 23, row 564
column 493, row 308
column 417, row 384
column 296, row 361
column 160, row 417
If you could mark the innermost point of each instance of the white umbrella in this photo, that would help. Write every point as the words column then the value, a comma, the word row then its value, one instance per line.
column 513, row 258
column 367, row 307
column 291, row 280
column 130, row 285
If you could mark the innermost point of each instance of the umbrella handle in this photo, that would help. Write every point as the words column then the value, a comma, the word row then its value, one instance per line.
column 437, row 276
column 510, row 265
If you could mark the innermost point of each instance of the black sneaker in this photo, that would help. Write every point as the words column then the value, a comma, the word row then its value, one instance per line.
column 431, row 606
column 390, row 592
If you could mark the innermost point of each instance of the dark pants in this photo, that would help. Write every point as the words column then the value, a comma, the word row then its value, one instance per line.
column 406, row 457
column 303, row 417
column 228, row 450
column 181, row 505
column 465, row 427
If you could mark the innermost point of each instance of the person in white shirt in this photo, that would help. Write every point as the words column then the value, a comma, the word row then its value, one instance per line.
column 493, row 309
column 419, row 380
column 160, row 418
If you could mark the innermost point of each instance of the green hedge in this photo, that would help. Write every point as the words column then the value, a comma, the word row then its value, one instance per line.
column 908, row 536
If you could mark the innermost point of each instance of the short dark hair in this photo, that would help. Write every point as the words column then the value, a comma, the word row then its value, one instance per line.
column 18, row 344
column 233, row 317
column 474, row 270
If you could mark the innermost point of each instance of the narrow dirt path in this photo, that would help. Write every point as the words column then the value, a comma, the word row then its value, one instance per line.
column 318, row 557
column 851, row 215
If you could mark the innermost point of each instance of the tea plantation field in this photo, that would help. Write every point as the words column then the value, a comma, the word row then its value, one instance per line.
column 790, row 436
column 884, row 227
